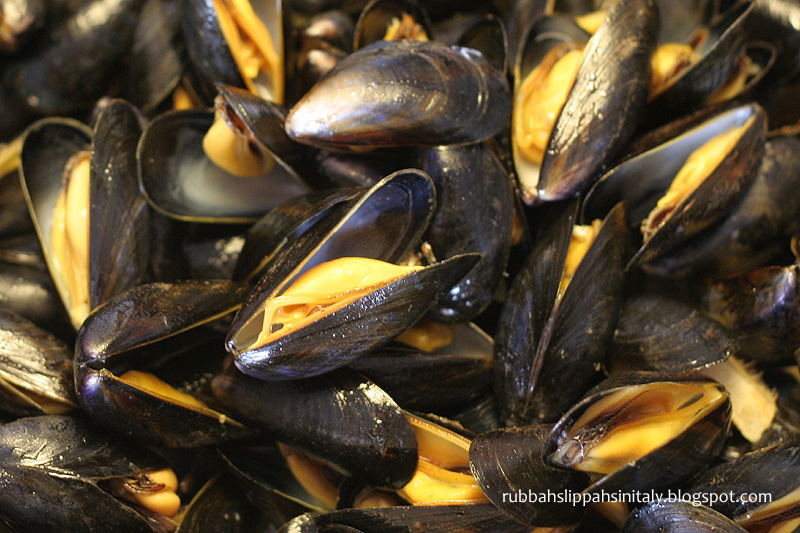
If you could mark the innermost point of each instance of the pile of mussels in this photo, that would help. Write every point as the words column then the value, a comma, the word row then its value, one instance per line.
column 394, row 267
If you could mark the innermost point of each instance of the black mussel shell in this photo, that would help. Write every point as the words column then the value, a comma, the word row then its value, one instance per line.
column 219, row 506
column 675, row 516
column 180, row 181
column 341, row 418
column 483, row 518
column 29, row 292
column 443, row 381
column 61, row 460
column 469, row 180
column 547, row 350
column 122, row 330
column 35, row 369
column 641, row 180
column 605, row 102
column 509, row 462
column 774, row 21
column 156, row 59
column 664, row 334
column 14, row 216
column 671, row 463
column 720, row 50
column 769, row 471
column 209, row 54
column 762, row 305
column 78, row 61
column 395, row 93
column 489, row 37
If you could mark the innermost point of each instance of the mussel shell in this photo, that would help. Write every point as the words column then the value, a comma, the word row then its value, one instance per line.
column 60, row 459
column 394, row 93
column 33, row 361
column 443, row 382
column 209, row 54
column 547, row 350
column 219, row 506
column 675, row 516
column 78, row 61
column 663, row 334
column 119, row 217
column 605, row 102
column 29, row 292
column 489, row 37
column 156, row 58
column 773, row 470
column 774, row 21
column 180, row 181
column 674, row 462
column 265, row 477
column 341, row 418
column 507, row 460
column 469, row 180
column 702, row 208
column 108, row 341
column 360, row 326
column 265, row 121
column 762, row 304
column 483, row 518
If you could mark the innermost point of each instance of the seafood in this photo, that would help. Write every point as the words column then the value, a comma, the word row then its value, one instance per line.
column 404, row 317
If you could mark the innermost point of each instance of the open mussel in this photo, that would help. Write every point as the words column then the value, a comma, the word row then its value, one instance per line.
column 237, row 43
column 597, row 113
column 627, row 432
column 332, row 296
column 83, row 197
column 547, row 350
column 687, row 183
column 142, row 325
column 394, row 93
column 391, row 20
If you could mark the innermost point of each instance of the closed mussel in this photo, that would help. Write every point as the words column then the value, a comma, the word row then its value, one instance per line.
column 318, row 308
column 395, row 93
column 759, row 490
column 642, row 431
column 676, row 516
column 340, row 418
